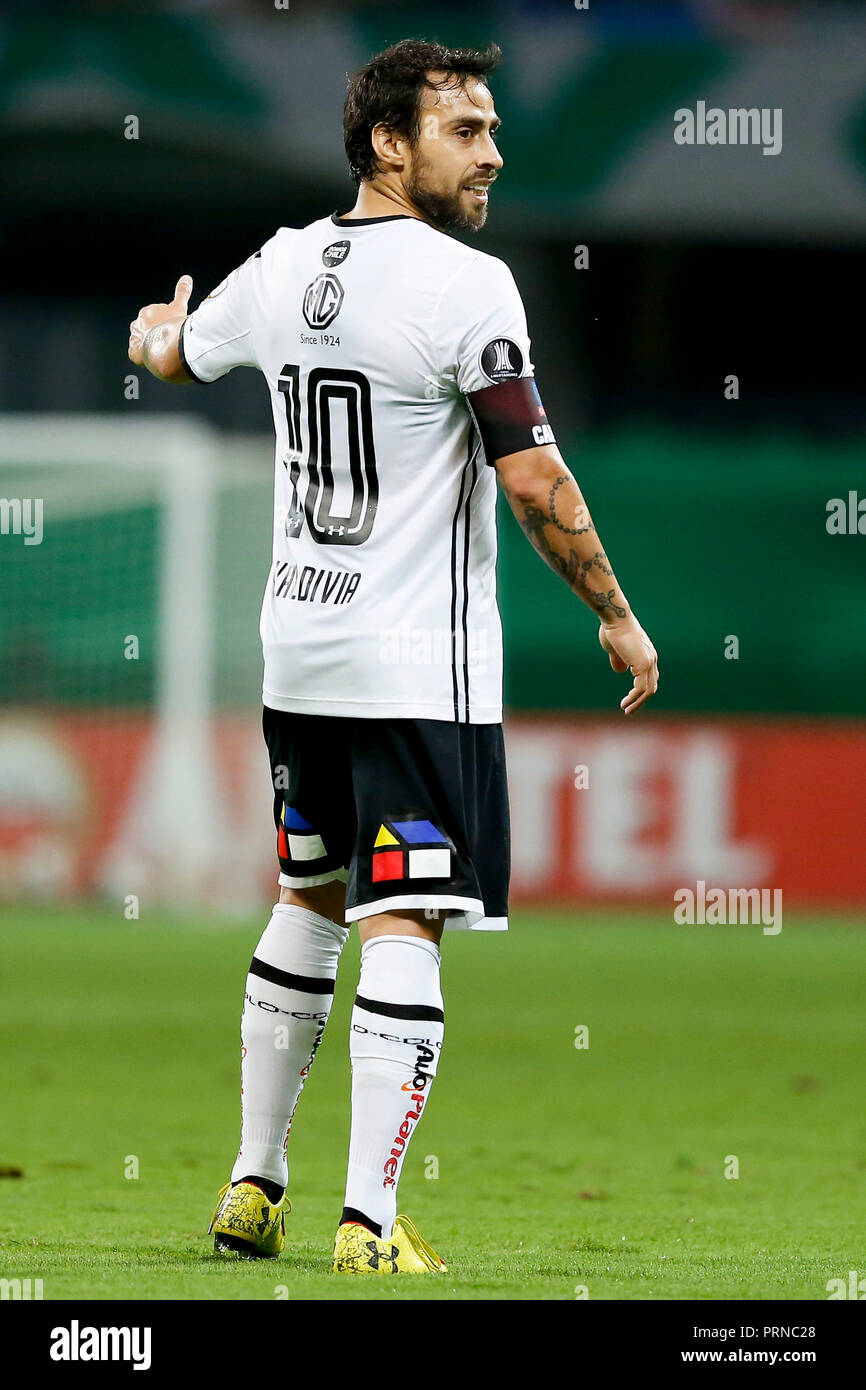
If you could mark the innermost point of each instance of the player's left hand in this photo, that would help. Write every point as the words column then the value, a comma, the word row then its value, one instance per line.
column 154, row 314
column 630, row 649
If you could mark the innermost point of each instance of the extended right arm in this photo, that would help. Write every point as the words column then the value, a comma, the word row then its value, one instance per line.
column 153, row 336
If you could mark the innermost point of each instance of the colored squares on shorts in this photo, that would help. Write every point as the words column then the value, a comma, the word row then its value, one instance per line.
column 385, row 837
column 430, row 863
column 306, row 847
column 388, row 864
column 418, row 832
column 410, row 849
column 297, row 839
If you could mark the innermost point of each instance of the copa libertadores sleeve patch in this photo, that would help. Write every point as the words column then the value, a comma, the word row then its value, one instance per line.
column 501, row 360
column 510, row 417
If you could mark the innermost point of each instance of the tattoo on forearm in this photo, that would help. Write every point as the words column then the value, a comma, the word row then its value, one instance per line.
column 152, row 340
column 573, row 570
column 566, row 530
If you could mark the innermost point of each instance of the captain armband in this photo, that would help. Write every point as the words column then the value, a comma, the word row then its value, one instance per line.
column 510, row 417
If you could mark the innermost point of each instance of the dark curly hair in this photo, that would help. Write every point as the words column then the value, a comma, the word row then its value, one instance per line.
column 389, row 87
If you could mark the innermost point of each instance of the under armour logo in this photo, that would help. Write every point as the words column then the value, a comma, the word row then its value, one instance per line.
column 377, row 1256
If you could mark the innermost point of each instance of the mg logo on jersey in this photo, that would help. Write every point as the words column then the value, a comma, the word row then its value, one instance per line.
column 501, row 360
column 323, row 300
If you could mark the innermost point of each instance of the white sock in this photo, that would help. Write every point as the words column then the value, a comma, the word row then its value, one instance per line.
column 395, row 1041
column 289, row 992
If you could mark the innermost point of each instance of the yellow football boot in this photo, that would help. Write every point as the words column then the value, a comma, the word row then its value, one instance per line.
column 247, row 1225
column 358, row 1251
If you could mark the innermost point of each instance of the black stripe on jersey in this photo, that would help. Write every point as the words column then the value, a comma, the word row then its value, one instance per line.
column 306, row 983
column 422, row 1012
column 455, row 680
column 454, row 685
column 466, row 584
column 182, row 355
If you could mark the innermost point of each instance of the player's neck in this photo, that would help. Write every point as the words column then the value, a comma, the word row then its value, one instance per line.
column 382, row 201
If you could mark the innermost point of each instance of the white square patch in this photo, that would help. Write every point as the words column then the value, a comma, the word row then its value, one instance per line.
column 306, row 847
column 430, row 863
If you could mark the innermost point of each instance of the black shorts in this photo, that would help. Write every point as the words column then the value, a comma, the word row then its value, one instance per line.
column 410, row 813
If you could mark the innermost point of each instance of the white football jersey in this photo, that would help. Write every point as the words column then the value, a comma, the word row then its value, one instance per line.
column 381, row 599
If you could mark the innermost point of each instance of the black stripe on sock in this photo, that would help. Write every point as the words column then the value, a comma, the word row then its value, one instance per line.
column 272, row 1190
column 352, row 1214
column 410, row 1011
column 306, row 983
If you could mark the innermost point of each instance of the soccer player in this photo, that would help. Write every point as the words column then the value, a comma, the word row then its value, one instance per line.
column 402, row 389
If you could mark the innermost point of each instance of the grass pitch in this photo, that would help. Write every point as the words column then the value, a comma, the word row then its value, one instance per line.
column 559, row 1168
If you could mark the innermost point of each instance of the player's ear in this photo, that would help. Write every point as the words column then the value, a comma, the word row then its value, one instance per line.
column 388, row 147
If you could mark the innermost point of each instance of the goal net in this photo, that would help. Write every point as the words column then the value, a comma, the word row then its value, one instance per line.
column 133, row 554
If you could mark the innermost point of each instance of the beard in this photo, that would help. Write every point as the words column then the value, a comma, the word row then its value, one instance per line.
column 446, row 211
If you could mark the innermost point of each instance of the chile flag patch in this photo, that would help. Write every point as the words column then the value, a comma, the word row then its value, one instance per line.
column 297, row 839
column 406, row 849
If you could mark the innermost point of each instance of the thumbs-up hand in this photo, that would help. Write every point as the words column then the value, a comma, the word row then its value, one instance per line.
column 152, row 315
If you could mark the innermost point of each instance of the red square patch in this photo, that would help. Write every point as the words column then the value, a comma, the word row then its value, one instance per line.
column 388, row 865
column 282, row 843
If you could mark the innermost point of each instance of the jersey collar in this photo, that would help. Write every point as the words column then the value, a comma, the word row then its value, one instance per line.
column 368, row 221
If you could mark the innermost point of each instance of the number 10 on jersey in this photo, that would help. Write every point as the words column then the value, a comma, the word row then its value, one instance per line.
column 352, row 446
